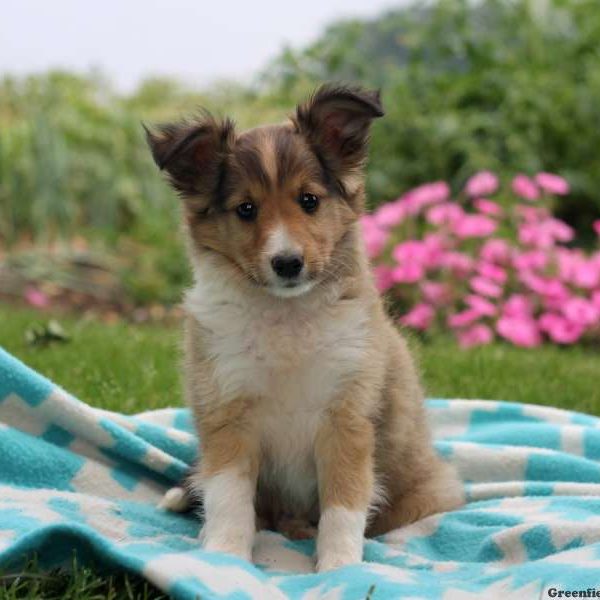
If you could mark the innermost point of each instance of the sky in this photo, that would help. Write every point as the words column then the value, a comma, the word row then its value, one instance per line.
column 197, row 41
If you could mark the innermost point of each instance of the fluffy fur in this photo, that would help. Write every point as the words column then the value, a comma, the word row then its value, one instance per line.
column 306, row 399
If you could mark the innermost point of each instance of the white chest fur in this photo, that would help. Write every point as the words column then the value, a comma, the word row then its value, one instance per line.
column 293, row 355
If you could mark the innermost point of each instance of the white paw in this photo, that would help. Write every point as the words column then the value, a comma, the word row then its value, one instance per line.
column 332, row 562
column 340, row 538
column 230, row 522
column 232, row 543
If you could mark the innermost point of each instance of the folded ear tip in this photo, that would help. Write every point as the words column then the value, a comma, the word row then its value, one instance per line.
column 370, row 99
column 377, row 106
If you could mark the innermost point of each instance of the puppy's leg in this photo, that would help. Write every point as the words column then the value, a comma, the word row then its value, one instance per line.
column 416, row 482
column 227, row 477
column 344, row 456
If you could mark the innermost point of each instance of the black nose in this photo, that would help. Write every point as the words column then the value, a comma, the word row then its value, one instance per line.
column 287, row 266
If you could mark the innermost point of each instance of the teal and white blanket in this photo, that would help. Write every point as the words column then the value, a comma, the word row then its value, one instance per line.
column 75, row 477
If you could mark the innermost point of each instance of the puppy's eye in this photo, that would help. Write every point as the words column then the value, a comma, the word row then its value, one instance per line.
column 247, row 211
column 308, row 202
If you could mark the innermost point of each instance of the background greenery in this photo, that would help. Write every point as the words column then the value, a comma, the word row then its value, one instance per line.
column 96, row 366
column 508, row 85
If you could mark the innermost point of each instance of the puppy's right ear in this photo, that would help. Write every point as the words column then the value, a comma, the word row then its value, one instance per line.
column 194, row 156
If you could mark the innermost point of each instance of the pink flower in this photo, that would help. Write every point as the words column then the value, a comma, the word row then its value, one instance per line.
column 553, row 184
column 581, row 311
column 408, row 273
column 36, row 297
column 521, row 331
column 544, row 234
column 435, row 293
column 375, row 237
column 596, row 299
column 390, row 214
column 524, row 187
column 487, row 207
column 470, row 226
column 384, row 278
column 544, row 286
column 560, row 230
column 485, row 287
column 531, row 214
column 476, row 335
column 460, row 264
column 410, row 251
column 586, row 274
column 596, row 226
column 559, row 329
column 427, row 253
column 492, row 272
column 440, row 214
column 530, row 260
column 517, row 305
column 435, row 249
column 420, row 317
column 548, row 321
column 424, row 195
column 482, row 184
column 480, row 305
column 535, row 234
column 567, row 261
column 461, row 319
column 495, row 251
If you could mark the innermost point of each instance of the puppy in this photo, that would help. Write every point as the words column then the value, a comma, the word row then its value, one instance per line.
column 306, row 400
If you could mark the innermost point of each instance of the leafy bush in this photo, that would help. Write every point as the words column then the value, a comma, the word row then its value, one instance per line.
column 486, row 268
column 73, row 154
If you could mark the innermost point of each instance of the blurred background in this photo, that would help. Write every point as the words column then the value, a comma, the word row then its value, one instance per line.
column 88, row 229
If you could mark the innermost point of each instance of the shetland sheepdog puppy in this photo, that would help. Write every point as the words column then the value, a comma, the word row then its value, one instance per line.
column 306, row 400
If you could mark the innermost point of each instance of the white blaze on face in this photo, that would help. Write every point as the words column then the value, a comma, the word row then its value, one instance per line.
column 280, row 243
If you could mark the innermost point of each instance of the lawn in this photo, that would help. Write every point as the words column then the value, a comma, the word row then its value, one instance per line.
column 132, row 368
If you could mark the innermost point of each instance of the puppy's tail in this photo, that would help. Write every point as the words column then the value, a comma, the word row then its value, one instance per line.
column 176, row 499
column 183, row 497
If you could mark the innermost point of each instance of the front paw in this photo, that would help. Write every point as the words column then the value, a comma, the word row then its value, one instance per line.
column 336, row 561
column 340, row 538
column 232, row 543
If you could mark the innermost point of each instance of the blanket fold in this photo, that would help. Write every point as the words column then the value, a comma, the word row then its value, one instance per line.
column 76, row 477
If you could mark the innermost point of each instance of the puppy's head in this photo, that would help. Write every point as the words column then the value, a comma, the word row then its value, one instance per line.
column 274, row 201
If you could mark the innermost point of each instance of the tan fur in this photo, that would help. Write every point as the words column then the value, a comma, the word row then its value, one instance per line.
column 344, row 453
column 314, row 398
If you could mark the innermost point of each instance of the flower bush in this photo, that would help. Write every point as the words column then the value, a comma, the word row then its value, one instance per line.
column 489, row 264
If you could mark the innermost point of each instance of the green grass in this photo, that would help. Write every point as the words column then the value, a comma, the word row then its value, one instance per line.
column 134, row 368
column 563, row 377
column 115, row 366
column 83, row 583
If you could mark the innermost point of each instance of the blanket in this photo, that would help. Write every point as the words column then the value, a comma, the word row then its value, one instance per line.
column 77, row 478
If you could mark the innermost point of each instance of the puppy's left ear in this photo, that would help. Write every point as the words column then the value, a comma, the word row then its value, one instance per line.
column 336, row 122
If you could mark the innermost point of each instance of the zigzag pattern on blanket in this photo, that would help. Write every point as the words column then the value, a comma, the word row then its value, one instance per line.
column 71, row 474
